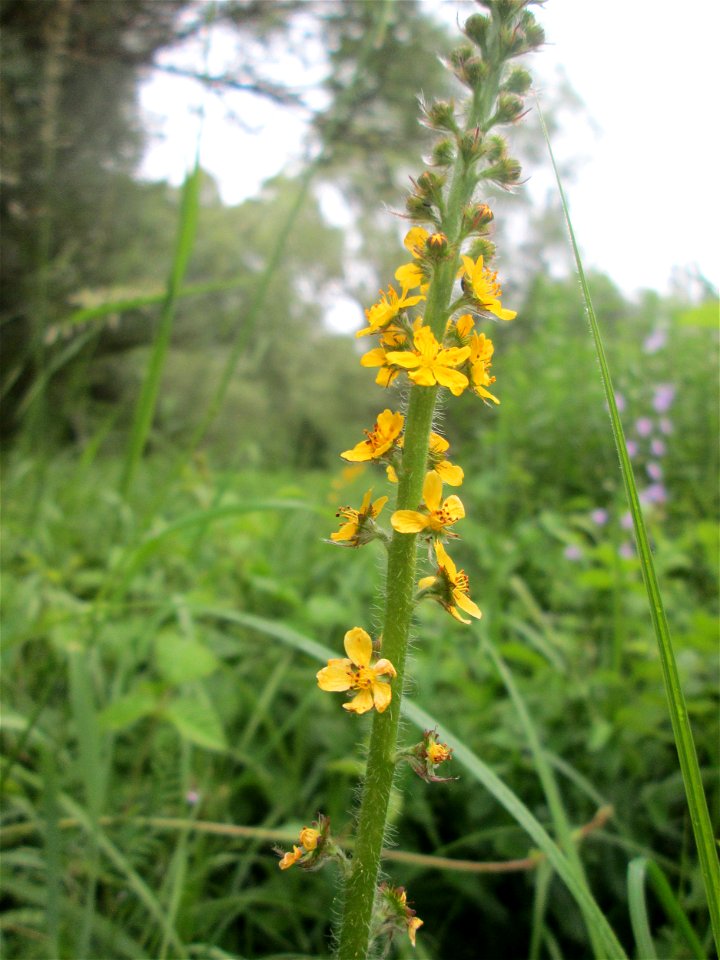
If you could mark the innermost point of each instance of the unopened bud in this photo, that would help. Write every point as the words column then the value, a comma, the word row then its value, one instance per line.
column 475, row 72
column 484, row 248
column 505, row 172
column 443, row 153
column 436, row 246
column 420, row 209
column 509, row 108
column 440, row 115
column 518, row 81
column 429, row 186
column 476, row 28
column 495, row 148
column 470, row 145
column 476, row 217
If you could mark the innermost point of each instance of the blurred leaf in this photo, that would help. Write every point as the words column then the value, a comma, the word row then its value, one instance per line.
column 180, row 659
column 197, row 721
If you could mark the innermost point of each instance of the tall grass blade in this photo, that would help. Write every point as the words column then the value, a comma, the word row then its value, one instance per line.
column 472, row 763
column 682, row 732
column 643, row 871
column 148, row 396
column 545, row 773
column 638, row 910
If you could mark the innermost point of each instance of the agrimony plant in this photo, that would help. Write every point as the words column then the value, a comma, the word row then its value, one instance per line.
column 428, row 343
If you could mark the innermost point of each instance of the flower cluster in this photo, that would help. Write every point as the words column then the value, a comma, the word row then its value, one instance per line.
column 394, row 914
column 426, row 756
column 463, row 356
column 314, row 848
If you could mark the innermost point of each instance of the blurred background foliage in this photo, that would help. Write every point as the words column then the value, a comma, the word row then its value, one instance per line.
column 151, row 661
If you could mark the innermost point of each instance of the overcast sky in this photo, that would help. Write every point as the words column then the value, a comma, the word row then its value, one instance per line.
column 646, row 199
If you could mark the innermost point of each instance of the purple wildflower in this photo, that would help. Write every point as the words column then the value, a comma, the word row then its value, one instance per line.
column 654, row 470
column 631, row 447
column 658, row 448
column 626, row 521
column 644, row 426
column 626, row 550
column 620, row 401
column 599, row 516
column 664, row 396
column 666, row 425
column 573, row 552
column 656, row 341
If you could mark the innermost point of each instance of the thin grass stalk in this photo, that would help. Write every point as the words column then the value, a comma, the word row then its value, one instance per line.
column 550, row 787
column 682, row 731
column 147, row 402
column 642, row 872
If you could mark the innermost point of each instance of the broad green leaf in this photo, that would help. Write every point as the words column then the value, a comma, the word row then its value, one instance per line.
column 180, row 659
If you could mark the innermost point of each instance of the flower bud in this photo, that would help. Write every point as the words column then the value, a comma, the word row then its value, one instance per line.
column 429, row 186
column 443, row 153
column 470, row 145
column 420, row 209
column 436, row 246
column 476, row 28
column 509, row 108
column 484, row 248
column 475, row 72
column 518, row 81
column 440, row 115
column 495, row 148
column 476, row 216
column 505, row 172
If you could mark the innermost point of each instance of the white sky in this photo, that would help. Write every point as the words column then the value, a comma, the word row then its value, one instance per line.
column 645, row 200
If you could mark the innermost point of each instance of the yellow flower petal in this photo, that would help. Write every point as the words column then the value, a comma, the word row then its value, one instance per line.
column 408, row 521
column 416, row 237
column 455, row 381
column 409, row 275
column 454, row 508
column 445, row 560
column 424, row 377
column 450, row 473
column 290, row 858
column 384, row 667
column 358, row 646
column 432, row 491
column 361, row 703
column 426, row 581
column 404, row 359
column 381, row 695
column 466, row 604
column 373, row 358
column 346, row 532
column 309, row 838
column 336, row 676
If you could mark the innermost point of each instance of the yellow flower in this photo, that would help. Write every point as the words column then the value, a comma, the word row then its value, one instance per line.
column 356, row 673
column 359, row 524
column 410, row 275
column 430, row 363
column 309, row 838
column 450, row 473
column 438, row 753
column 464, row 327
column 380, row 439
column 378, row 358
column 483, row 285
column 414, row 924
column 291, row 858
column 439, row 515
column 387, row 308
column 450, row 587
column 481, row 351
column 415, row 240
